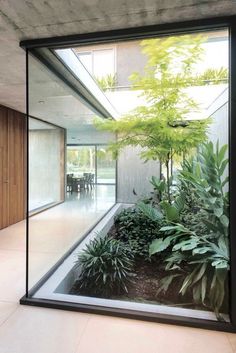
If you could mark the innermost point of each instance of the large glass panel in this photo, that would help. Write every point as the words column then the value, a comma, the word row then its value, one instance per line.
column 106, row 166
column 80, row 160
column 164, row 247
column 46, row 165
column 61, row 209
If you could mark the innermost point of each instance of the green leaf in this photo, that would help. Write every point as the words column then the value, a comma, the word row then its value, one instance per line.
column 203, row 287
column 149, row 211
column 187, row 282
column 201, row 250
column 171, row 212
column 200, row 273
column 222, row 153
column 158, row 245
column 218, row 212
column 226, row 180
column 166, row 282
column 220, row 264
column 186, row 245
column 223, row 166
column 179, row 203
column 224, row 220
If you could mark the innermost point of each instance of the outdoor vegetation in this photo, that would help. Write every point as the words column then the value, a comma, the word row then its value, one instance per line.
column 172, row 246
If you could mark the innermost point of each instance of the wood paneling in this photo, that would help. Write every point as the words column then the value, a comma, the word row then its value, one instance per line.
column 12, row 167
column 4, row 186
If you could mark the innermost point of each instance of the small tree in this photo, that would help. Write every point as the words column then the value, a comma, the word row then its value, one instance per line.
column 161, row 127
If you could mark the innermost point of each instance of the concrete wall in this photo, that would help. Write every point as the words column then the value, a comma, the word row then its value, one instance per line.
column 128, row 58
column 88, row 135
column 46, row 155
column 219, row 127
column 134, row 174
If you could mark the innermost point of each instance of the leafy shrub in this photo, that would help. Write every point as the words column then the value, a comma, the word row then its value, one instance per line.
column 203, row 246
column 134, row 227
column 209, row 184
column 105, row 266
column 208, row 260
column 159, row 189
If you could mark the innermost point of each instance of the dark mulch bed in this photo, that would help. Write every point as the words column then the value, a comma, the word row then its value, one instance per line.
column 144, row 287
column 146, row 283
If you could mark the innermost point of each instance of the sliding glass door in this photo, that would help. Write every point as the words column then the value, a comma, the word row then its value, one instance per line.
column 94, row 159
column 106, row 166
column 80, row 160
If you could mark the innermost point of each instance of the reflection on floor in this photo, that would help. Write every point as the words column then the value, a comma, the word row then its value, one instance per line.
column 54, row 231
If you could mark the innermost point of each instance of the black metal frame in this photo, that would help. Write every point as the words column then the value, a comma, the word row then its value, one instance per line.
column 134, row 34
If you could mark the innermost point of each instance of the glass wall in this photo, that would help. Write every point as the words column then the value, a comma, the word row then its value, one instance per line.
column 106, row 166
column 80, row 160
column 96, row 160
column 164, row 247
column 59, row 214
column 46, row 165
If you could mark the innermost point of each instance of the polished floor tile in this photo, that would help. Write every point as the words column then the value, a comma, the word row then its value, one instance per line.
column 40, row 330
column 232, row 340
column 6, row 310
column 12, row 275
column 13, row 237
column 129, row 336
column 58, row 228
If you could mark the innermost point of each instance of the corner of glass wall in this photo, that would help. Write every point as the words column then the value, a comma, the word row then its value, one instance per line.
column 129, row 177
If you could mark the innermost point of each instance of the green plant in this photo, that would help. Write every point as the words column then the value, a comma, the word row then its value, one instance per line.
column 161, row 127
column 136, row 228
column 213, row 76
column 209, row 184
column 149, row 211
column 172, row 211
column 159, row 187
column 105, row 266
column 107, row 82
column 208, row 263
column 199, row 251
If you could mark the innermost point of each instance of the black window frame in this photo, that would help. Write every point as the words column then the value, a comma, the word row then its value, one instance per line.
column 141, row 33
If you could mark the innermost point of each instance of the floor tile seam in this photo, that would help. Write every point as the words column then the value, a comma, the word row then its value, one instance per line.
column 8, row 317
column 8, row 301
column 82, row 334
column 230, row 343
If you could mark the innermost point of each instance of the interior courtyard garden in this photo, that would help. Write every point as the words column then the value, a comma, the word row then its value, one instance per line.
column 154, row 146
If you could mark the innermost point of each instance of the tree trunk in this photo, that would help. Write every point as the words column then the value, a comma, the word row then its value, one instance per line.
column 168, row 178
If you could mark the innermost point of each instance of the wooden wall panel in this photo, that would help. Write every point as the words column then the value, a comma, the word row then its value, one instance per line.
column 4, row 184
column 12, row 167
column 16, row 151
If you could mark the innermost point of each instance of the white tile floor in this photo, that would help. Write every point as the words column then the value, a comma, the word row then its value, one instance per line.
column 38, row 330
column 53, row 232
